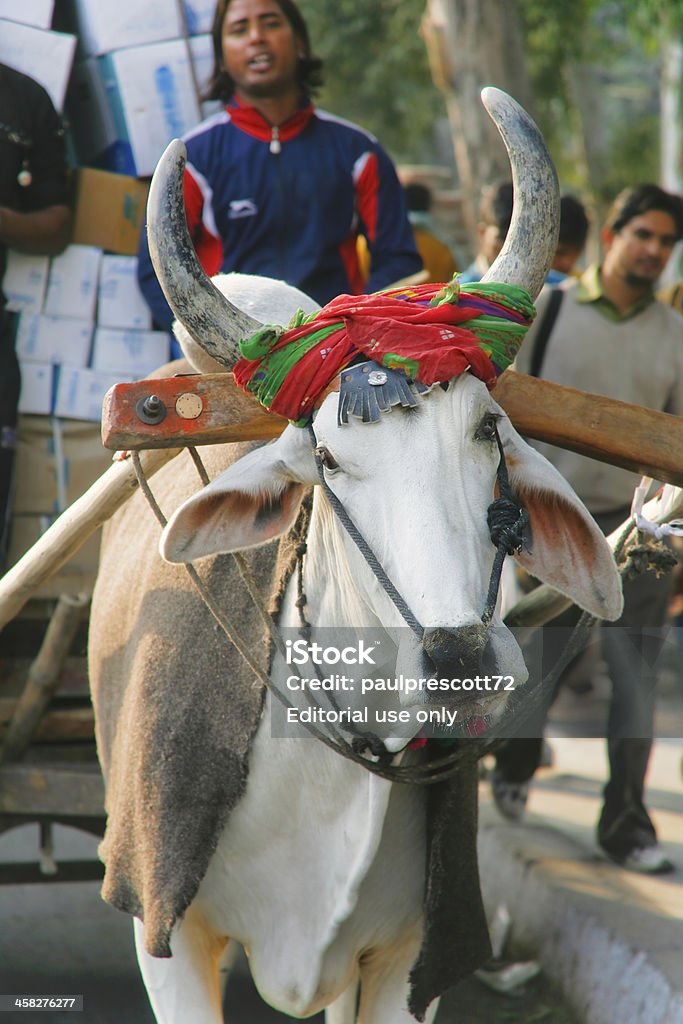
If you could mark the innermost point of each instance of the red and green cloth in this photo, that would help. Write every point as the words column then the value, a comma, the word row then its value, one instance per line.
column 420, row 330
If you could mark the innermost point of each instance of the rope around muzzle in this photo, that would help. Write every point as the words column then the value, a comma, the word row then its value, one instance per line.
column 419, row 773
column 425, row 773
column 649, row 554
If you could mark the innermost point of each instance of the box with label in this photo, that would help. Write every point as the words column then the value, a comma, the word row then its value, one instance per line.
column 80, row 392
column 25, row 281
column 120, row 303
column 54, row 339
column 130, row 354
column 28, row 12
column 57, row 461
column 130, row 103
column 72, row 282
column 35, row 396
column 110, row 210
column 199, row 16
column 102, row 27
column 46, row 56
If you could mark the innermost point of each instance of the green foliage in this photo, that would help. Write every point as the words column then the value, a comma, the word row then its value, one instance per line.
column 377, row 72
column 634, row 157
column 621, row 38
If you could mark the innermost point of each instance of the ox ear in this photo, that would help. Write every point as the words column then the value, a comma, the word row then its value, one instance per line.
column 568, row 549
column 252, row 502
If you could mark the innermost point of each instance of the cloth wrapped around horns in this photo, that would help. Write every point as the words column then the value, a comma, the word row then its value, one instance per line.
column 431, row 332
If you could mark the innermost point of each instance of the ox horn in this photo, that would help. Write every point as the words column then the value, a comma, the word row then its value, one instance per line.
column 532, row 237
column 209, row 318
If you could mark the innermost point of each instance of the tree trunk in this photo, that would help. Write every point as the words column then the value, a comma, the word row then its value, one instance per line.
column 471, row 44
column 671, row 94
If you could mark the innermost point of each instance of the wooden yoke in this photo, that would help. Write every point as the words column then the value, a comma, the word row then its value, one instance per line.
column 210, row 408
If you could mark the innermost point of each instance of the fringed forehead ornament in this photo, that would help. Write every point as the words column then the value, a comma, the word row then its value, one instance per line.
column 366, row 390
column 412, row 338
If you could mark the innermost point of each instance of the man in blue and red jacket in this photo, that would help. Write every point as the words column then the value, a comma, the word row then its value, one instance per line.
column 274, row 186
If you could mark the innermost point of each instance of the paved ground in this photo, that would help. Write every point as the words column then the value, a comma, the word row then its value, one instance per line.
column 62, row 939
column 613, row 940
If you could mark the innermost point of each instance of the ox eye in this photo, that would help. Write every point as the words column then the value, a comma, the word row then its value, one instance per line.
column 486, row 431
column 326, row 458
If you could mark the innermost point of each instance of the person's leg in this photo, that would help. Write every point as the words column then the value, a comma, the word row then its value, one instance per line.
column 519, row 757
column 624, row 823
column 631, row 649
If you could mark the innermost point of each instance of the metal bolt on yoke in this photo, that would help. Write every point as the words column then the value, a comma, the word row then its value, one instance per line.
column 150, row 409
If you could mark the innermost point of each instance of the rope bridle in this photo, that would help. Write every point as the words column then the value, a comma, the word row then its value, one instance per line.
column 508, row 523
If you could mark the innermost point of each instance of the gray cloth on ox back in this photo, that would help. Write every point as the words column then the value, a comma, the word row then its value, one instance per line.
column 175, row 750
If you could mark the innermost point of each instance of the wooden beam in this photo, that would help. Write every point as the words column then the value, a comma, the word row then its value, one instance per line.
column 57, row 725
column 43, row 676
column 644, row 441
column 71, row 790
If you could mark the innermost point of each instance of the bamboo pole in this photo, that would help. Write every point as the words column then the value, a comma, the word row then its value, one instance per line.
column 72, row 529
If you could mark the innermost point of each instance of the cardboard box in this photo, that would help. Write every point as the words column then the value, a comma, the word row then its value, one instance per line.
column 28, row 12
column 198, row 16
column 72, row 282
column 25, row 281
column 130, row 354
column 35, row 396
column 80, row 392
column 110, row 210
column 120, row 303
column 46, row 56
column 57, row 461
column 52, row 339
column 129, row 104
column 103, row 27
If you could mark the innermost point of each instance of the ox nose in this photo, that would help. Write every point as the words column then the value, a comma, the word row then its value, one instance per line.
column 456, row 652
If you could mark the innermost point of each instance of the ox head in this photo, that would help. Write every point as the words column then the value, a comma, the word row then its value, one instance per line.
column 418, row 482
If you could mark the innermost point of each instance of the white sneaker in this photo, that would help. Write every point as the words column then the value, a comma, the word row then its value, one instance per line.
column 647, row 860
column 509, row 797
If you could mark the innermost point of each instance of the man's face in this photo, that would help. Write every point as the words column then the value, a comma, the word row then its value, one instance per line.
column 566, row 257
column 259, row 48
column 490, row 241
column 639, row 252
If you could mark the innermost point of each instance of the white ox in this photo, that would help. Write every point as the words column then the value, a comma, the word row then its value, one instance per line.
column 319, row 870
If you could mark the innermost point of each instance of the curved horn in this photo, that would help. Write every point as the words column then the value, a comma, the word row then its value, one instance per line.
column 209, row 318
column 532, row 237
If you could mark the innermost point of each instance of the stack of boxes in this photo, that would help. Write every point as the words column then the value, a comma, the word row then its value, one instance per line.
column 136, row 81
column 90, row 329
column 128, row 78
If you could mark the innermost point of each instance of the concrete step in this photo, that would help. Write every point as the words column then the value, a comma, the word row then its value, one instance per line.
column 612, row 939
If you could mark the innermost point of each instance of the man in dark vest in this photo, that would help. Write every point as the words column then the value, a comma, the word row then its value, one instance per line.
column 35, row 218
